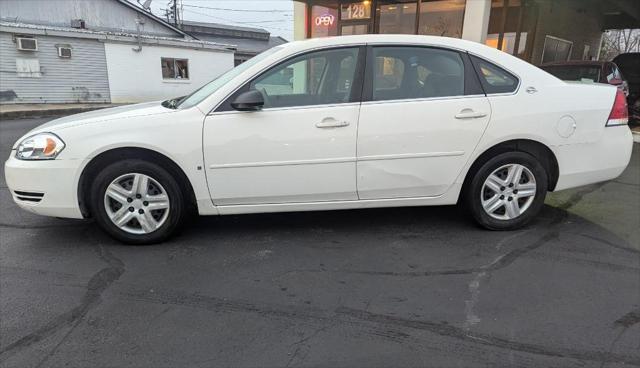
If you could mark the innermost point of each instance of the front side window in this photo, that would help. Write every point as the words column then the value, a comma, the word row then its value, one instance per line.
column 493, row 78
column 317, row 78
column 416, row 72
column 205, row 91
column 174, row 68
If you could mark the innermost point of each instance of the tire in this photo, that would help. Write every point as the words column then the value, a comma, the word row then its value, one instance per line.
column 146, row 214
column 527, row 195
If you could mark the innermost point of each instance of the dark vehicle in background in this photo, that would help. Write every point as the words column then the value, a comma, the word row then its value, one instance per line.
column 589, row 71
column 629, row 65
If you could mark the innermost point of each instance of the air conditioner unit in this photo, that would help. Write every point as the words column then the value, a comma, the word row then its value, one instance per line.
column 27, row 44
column 64, row 52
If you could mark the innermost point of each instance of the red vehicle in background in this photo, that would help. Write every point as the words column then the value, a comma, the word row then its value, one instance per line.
column 629, row 65
column 605, row 72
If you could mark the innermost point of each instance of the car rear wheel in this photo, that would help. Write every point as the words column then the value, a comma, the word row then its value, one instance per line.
column 507, row 191
column 137, row 202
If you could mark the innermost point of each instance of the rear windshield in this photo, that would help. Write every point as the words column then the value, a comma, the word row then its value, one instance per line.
column 585, row 73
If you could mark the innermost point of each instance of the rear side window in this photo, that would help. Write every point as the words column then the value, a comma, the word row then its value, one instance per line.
column 493, row 78
column 416, row 72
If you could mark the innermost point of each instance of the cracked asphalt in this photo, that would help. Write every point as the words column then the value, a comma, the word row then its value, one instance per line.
column 402, row 287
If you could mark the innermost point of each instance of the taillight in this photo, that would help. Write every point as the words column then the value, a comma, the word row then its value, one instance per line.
column 619, row 113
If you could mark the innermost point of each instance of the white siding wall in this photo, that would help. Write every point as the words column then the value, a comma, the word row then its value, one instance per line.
column 97, row 14
column 81, row 78
column 137, row 76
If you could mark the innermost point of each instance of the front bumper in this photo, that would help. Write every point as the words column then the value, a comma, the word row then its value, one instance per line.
column 48, row 188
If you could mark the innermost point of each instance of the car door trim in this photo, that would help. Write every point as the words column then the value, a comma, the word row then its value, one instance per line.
column 399, row 156
column 321, row 161
column 425, row 99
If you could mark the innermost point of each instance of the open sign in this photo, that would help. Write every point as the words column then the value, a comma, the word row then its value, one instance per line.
column 325, row 20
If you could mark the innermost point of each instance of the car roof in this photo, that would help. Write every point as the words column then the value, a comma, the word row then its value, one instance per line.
column 449, row 42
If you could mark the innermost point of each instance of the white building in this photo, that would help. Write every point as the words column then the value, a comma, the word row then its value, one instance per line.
column 61, row 51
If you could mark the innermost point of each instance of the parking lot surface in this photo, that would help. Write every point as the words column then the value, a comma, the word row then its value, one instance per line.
column 401, row 287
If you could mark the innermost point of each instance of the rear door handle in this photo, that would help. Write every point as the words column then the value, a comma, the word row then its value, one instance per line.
column 331, row 123
column 470, row 114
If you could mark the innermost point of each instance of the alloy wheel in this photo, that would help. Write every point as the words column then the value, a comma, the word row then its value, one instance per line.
column 508, row 192
column 136, row 203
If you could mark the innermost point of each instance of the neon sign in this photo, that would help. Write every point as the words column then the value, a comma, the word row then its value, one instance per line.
column 325, row 20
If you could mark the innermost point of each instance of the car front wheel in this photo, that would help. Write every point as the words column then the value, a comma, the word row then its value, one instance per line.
column 507, row 191
column 137, row 202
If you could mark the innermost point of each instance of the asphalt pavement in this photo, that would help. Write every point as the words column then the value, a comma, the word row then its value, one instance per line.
column 405, row 287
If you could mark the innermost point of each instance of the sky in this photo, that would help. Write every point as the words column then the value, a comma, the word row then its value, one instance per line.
column 276, row 16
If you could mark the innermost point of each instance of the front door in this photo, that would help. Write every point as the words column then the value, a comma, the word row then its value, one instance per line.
column 424, row 116
column 301, row 146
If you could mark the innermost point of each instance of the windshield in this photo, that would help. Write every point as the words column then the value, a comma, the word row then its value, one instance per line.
column 209, row 88
column 574, row 72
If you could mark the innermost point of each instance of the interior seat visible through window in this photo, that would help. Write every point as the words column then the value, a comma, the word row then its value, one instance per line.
column 416, row 72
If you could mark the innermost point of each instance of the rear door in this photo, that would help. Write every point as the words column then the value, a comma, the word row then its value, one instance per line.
column 422, row 115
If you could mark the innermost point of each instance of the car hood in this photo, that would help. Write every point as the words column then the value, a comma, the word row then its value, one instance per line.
column 114, row 113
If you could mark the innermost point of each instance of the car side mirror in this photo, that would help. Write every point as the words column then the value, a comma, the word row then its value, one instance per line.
column 248, row 101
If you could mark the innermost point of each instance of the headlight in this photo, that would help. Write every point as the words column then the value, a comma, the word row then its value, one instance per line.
column 42, row 146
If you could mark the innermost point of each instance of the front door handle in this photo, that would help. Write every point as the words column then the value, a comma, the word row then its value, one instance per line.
column 331, row 123
column 470, row 114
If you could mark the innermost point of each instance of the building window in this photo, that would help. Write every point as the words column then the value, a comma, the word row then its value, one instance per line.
column 556, row 49
column 324, row 21
column 442, row 18
column 175, row 68
column 28, row 68
column 510, row 23
column 398, row 18
column 586, row 53
column 355, row 29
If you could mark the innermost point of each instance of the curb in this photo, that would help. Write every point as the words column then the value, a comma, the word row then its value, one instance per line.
column 636, row 136
column 46, row 113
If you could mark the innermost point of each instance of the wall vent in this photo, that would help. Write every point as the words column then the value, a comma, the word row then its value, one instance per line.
column 78, row 23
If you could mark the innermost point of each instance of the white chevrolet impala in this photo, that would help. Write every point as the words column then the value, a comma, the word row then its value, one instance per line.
column 327, row 124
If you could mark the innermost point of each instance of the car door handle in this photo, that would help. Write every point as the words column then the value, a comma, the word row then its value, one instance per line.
column 470, row 114
column 331, row 123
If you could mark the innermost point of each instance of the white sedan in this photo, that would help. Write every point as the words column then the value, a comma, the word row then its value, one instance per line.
column 327, row 124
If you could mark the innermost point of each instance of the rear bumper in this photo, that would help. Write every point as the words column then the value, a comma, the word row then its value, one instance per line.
column 47, row 188
column 588, row 163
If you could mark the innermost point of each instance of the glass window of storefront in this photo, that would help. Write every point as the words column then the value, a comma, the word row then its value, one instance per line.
column 510, row 24
column 442, row 18
column 397, row 17
column 427, row 17
column 324, row 21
